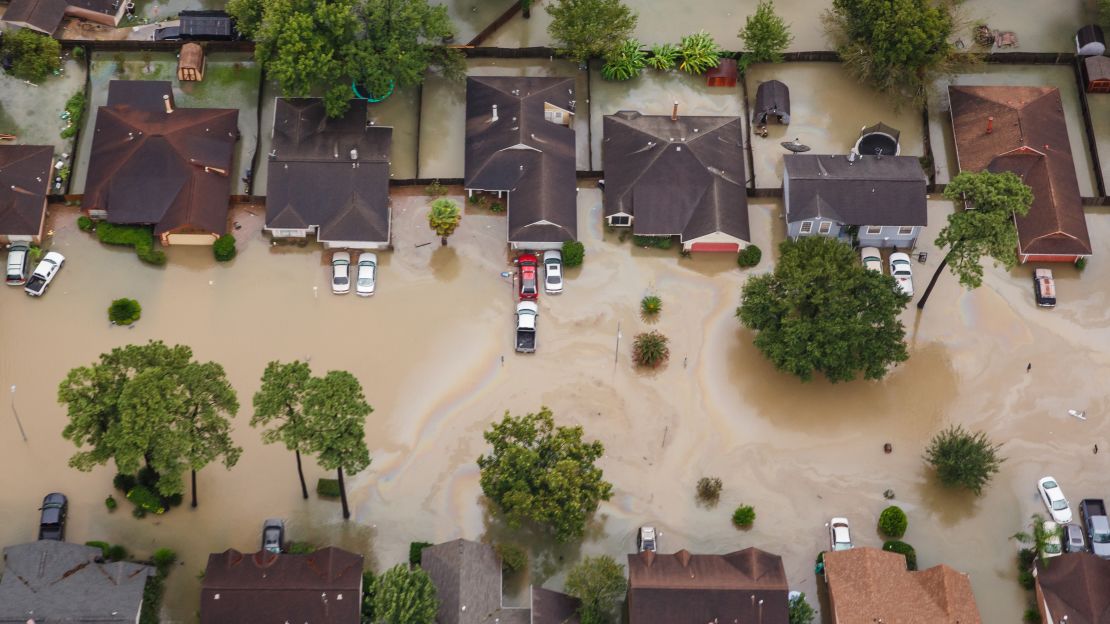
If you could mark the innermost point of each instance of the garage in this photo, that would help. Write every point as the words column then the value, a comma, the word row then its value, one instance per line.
column 726, row 247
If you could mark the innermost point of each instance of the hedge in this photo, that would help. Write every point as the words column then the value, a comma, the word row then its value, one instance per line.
column 328, row 487
column 415, row 550
column 903, row 548
column 224, row 248
column 138, row 236
column 573, row 253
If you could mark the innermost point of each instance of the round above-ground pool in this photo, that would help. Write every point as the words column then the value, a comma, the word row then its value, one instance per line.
column 877, row 143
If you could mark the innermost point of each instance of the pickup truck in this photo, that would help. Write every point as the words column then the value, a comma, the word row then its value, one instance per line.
column 1044, row 288
column 44, row 274
column 1093, row 511
column 526, row 314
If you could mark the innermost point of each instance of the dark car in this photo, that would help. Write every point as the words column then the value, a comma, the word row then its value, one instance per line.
column 273, row 535
column 168, row 33
column 52, row 521
column 1075, row 541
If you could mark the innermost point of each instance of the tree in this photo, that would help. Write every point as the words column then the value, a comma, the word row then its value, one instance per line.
column 820, row 311
column 986, row 230
column 247, row 14
column 34, row 55
column 280, row 400
column 208, row 401
column 599, row 583
column 443, row 218
column 799, row 611
column 897, row 46
column 543, row 473
column 404, row 595
column 588, row 29
column 1038, row 537
column 765, row 35
column 124, row 311
column 697, row 54
column 403, row 39
column 335, row 411
column 650, row 349
column 964, row 459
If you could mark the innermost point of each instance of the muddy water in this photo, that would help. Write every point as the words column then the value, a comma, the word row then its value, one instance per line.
column 33, row 112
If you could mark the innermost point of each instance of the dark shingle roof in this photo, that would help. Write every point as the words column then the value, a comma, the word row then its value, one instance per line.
column 25, row 175
column 523, row 153
column 47, row 15
column 467, row 576
column 52, row 581
column 1076, row 585
column 681, row 177
column 319, row 588
column 147, row 166
column 1029, row 124
column 552, row 607
column 772, row 98
column 890, row 190
column 695, row 589
column 313, row 179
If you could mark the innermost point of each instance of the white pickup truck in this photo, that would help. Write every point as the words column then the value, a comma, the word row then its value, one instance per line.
column 44, row 273
column 526, row 314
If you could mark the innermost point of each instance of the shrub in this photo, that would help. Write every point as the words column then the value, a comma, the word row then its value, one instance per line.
column 651, row 305
column 1026, row 578
column 744, row 516
column 150, row 255
column 659, row 242
column 115, row 552
column 709, row 490
column 496, row 207
column 138, row 512
column 573, row 253
column 152, row 599
column 138, row 236
column 35, row 254
column 147, row 477
column 474, row 199
column 625, row 62
column 650, row 349
column 699, row 53
column 1031, row 615
column 765, row 35
column 663, row 56
column 123, row 482
column 513, row 557
column 1081, row 263
column 163, row 559
column 799, row 611
column 415, row 548
column 367, row 610
column 173, row 500
column 75, row 111
column 84, row 223
column 111, row 503
column 328, row 487
column 300, row 548
column 905, row 549
column 145, row 499
column 78, row 52
column 963, row 459
column 224, row 248
column 749, row 256
column 34, row 55
column 124, row 311
column 103, row 546
column 435, row 189
column 893, row 522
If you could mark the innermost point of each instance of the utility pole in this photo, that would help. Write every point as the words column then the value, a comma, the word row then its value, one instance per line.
column 616, row 349
column 16, row 414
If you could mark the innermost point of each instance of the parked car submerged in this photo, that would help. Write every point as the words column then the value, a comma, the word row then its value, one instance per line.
column 341, row 272
column 273, row 535
column 872, row 260
column 367, row 275
column 52, row 519
column 529, row 285
column 1053, row 547
column 902, row 272
column 645, row 539
column 44, row 273
column 1044, row 288
column 553, row 272
column 527, row 312
column 18, row 255
column 1054, row 500
column 840, row 537
column 1074, row 542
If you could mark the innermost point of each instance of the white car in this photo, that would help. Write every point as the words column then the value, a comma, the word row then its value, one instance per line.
column 553, row 272
column 367, row 274
column 1054, row 500
column 44, row 273
column 1053, row 547
column 840, row 538
column 341, row 272
column 903, row 274
column 872, row 260
column 645, row 540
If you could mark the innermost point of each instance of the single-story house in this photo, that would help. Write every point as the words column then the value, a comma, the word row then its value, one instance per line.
column 328, row 177
column 25, row 175
column 677, row 176
column 324, row 587
column 1073, row 588
column 467, row 577
column 882, row 199
column 155, row 164
column 1022, row 130
column 52, row 581
column 46, row 15
column 744, row 586
column 869, row 585
column 520, row 144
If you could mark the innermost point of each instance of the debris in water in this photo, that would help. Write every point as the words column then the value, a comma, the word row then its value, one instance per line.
column 422, row 245
column 887, row 448
column 1081, row 415
column 889, row 494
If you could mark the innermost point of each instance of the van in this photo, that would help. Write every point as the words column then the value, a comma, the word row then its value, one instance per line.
column 18, row 255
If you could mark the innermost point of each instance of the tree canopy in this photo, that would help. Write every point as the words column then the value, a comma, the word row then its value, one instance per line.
column 34, row 55
column 588, row 29
column 599, row 583
column 279, row 402
column 821, row 311
column 335, row 411
column 964, row 459
column 404, row 595
column 543, row 473
column 765, row 35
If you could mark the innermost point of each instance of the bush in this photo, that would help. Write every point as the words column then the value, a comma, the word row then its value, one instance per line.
column 650, row 349
column 435, row 189
column 144, row 498
column 663, row 56
column 124, row 482
column 35, row 254
column 75, row 111
column 658, row 242
column 103, row 546
column 150, row 255
column 573, row 253
column 115, row 552
column 625, row 62
column 963, row 459
column 799, row 611
column 84, row 223
column 415, row 548
column 367, row 610
column 1081, row 263
column 893, row 522
column 224, row 248
column 699, row 53
column 140, row 237
column 513, row 557
column 905, row 549
column 651, row 305
column 744, row 516
column 78, row 52
column 163, row 559
column 152, row 599
column 1026, row 578
column 124, row 311
column 1031, row 615
column 111, row 503
column 34, row 55
column 496, row 207
column 300, row 548
column 749, row 256
column 474, row 199
column 709, row 490
column 147, row 477
column 328, row 487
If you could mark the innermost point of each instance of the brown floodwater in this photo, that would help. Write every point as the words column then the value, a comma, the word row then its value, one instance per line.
column 433, row 350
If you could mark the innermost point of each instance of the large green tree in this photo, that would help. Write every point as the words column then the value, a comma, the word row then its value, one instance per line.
column 34, row 55
column 986, row 230
column 588, row 29
column 404, row 595
column 543, row 473
column 964, row 459
column 280, row 402
column 599, row 583
column 150, row 405
column 765, row 35
column 335, row 412
column 820, row 311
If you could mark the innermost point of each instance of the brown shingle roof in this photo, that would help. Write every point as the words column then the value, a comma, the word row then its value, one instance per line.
column 694, row 589
column 1076, row 586
column 868, row 584
column 1029, row 137
column 319, row 588
column 47, row 15
column 25, row 176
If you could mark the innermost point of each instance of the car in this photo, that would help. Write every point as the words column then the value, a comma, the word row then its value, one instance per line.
column 367, row 274
column 1044, row 288
column 645, row 539
column 44, row 274
column 341, row 273
column 273, row 535
column 1052, row 544
column 872, row 260
column 840, row 537
column 903, row 274
column 168, row 33
column 1054, row 500
column 52, row 520
column 1074, row 540
column 553, row 272
column 18, row 255
column 529, row 287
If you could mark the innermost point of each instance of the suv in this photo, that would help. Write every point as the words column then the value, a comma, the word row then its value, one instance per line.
column 18, row 255
column 52, row 520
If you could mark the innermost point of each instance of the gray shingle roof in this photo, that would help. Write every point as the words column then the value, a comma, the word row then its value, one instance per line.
column 47, row 15
column 467, row 576
column 871, row 191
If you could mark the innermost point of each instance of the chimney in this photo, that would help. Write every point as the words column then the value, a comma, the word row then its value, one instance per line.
column 674, row 111
column 494, row 118
column 168, row 103
column 990, row 124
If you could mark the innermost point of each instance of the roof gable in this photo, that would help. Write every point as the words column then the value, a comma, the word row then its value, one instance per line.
column 869, row 190
column 1075, row 585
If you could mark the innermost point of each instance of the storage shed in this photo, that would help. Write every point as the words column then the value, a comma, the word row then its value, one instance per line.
column 723, row 75
column 1089, row 41
column 772, row 101
column 208, row 25
column 190, row 63
column 1096, row 74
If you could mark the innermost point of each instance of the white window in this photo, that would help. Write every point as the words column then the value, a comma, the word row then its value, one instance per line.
column 806, row 227
column 874, row 229
column 620, row 220
column 905, row 230
column 825, row 227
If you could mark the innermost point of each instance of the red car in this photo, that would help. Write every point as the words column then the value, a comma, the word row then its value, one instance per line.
column 529, row 284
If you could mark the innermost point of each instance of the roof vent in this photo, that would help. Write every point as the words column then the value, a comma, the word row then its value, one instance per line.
column 494, row 117
column 169, row 104
column 354, row 153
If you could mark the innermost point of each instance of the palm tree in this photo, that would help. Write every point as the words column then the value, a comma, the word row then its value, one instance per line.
column 444, row 218
column 650, row 349
column 1038, row 539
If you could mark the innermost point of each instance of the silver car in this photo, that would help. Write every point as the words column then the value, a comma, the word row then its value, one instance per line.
column 553, row 272
column 367, row 276
column 341, row 273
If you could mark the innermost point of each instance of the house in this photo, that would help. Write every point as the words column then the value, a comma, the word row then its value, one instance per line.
column 1073, row 588
column 744, row 586
column 47, row 15
column 1022, row 130
column 324, row 587
column 881, row 200
column 1096, row 74
column 25, row 176
column 467, row 577
column 51, row 581
column 868, row 585
column 520, row 143
column 677, row 176
column 328, row 177
column 155, row 164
